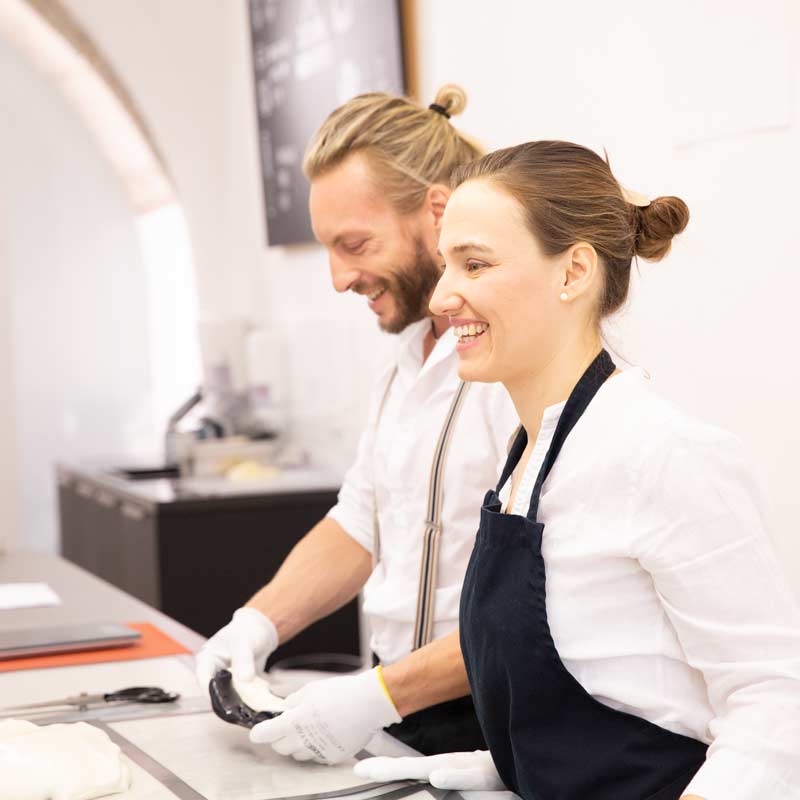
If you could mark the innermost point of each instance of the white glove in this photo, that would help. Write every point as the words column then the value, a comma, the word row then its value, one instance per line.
column 460, row 771
column 329, row 720
column 242, row 646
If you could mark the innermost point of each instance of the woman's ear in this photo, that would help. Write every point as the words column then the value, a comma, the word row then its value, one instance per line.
column 582, row 269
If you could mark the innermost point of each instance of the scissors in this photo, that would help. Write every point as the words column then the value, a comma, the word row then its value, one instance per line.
column 82, row 701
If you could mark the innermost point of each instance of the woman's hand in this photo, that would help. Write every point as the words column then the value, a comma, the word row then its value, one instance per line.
column 460, row 771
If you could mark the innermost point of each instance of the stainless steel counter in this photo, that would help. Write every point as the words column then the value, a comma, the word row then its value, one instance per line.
column 184, row 753
column 169, row 491
column 85, row 598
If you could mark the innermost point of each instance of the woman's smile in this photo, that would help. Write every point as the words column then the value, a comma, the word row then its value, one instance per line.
column 468, row 332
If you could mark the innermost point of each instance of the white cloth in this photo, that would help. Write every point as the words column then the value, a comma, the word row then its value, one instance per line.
column 394, row 464
column 664, row 595
column 59, row 762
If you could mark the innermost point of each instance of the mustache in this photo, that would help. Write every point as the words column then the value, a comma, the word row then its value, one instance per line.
column 363, row 288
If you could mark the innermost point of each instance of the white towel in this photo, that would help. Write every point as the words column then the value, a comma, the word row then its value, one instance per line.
column 62, row 762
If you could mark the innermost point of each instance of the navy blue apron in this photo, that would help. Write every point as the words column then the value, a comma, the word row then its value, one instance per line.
column 549, row 738
column 443, row 728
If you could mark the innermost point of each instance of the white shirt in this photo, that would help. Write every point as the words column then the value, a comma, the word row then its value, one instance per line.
column 664, row 595
column 393, row 466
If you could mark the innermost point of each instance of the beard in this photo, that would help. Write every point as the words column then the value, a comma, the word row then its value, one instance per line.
column 411, row 285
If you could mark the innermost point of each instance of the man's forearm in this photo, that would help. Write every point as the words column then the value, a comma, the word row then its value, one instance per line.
column 325, row 570
column 433, row 674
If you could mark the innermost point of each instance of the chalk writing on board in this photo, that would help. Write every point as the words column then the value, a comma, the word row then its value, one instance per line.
column 310, row 56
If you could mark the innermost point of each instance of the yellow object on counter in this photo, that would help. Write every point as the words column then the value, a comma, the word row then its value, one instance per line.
column 251, row 470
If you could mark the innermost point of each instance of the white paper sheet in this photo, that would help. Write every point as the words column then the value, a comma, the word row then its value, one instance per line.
column 27, row 595
column 217, row 760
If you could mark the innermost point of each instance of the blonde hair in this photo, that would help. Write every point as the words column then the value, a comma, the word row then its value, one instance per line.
column 409, row 147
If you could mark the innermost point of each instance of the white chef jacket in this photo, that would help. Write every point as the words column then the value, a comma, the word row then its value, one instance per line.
column 393, row 467
column 664, row 595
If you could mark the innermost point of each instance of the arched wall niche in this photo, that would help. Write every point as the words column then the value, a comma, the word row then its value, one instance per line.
column 99, row 341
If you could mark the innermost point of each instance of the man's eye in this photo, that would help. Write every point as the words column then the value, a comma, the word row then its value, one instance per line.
column 354, row 247
column 474, row 266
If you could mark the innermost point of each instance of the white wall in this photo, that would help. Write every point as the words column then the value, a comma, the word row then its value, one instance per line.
column 9, row 501
column 696, row 99
column 193, row 83
column 173, row 57
column 74, row 369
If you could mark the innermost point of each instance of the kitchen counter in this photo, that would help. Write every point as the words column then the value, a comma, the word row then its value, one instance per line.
column 198, row 548
column 174, row 751
column 173, row 494
column 179, row 753
column 85, row 598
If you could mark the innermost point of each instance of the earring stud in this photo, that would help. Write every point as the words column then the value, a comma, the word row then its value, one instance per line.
column 564, row 296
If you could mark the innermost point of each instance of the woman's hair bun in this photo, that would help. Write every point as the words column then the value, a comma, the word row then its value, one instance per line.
column 452, row 98
column 656, row 224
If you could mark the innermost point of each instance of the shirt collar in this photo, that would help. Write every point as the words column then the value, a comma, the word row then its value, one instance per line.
column 411, row 343
column 551, row 416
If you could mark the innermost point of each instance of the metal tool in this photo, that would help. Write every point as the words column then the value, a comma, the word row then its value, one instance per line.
column 83, row 701
column 228, row 705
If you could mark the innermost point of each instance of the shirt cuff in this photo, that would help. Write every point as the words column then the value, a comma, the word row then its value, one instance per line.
column 362, row 533
column 731, row 775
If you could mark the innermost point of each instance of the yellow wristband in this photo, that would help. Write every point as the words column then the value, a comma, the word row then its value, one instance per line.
column 379, row 673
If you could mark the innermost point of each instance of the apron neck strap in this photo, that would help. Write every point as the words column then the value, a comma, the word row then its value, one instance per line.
column 587, row 387
column 514, row 455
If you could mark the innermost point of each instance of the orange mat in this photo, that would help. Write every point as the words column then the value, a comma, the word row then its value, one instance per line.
column 154, row 643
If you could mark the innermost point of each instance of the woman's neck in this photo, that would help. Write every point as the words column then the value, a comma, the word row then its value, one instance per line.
column 532, row 392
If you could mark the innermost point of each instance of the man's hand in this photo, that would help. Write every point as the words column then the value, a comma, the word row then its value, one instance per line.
column 330, row 720
column 242, row 646
column 460, row 771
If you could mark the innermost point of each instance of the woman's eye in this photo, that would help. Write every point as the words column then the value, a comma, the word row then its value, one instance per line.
column 474, row 266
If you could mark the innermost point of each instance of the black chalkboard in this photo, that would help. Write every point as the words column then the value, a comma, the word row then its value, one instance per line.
column 310, row 56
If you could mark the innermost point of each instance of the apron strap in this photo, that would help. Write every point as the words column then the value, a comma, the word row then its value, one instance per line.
column 514, row 455
column 587, row 387
column 423, row 625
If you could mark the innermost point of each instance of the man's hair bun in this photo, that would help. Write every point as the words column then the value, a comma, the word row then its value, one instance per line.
column 452, row 98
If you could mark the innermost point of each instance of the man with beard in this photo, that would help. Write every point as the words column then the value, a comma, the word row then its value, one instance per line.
column 404, row 525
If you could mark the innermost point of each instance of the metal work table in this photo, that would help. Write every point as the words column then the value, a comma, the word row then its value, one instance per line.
column 182, row 753
column 85, row 598
column 179, row 752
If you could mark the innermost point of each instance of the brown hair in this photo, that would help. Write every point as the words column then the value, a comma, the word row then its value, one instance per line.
column 409, row 147
column 568, row 195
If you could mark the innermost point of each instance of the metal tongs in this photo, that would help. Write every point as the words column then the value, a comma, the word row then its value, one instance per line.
column 229, row 706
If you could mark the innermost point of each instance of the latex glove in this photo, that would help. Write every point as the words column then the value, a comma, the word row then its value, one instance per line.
column 460, row 771
column 242, row 646
column 329, row 720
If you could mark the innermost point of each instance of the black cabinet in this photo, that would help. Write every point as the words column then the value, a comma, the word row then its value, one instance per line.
column 195, row 557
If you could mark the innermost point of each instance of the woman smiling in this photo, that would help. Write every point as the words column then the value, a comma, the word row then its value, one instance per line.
column 627, row 630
